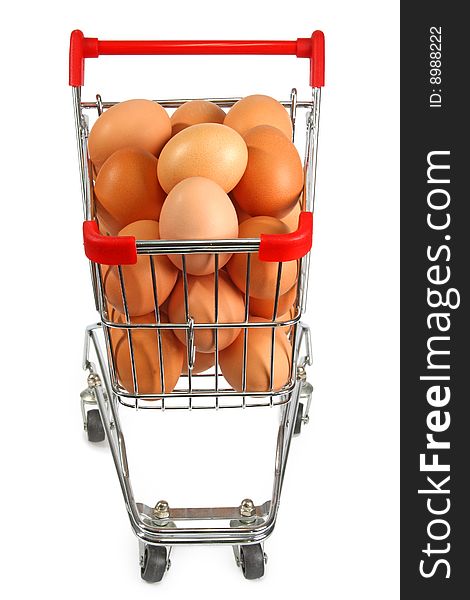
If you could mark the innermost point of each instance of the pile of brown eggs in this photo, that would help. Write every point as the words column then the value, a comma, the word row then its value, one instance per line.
column 199, row 174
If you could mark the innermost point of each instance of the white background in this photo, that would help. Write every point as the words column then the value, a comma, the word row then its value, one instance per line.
column 65, row 532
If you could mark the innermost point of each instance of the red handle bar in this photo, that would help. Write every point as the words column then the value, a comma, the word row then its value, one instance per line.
column 82, row 47
column 115, row 250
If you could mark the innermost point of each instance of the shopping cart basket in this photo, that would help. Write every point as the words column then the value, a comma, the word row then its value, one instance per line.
column 245, row 525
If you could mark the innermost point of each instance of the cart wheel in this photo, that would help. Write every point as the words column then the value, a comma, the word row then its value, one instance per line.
column 155, row 564
column 252, row 561
column 298, row 419
column 94, row 426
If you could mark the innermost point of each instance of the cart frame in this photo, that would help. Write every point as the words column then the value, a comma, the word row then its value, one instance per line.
column 164, row 525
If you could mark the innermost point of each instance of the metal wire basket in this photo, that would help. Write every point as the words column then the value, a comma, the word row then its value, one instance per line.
column 158, row 528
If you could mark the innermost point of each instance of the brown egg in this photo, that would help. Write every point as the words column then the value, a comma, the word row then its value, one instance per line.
column 198, row 208
column 92, row 169
column 292, row 217
column 127, row 189
column 265, row 308
column 263, row 275
column 241, row 214
column 202, row 362
column 201, row 303
column 116, row 317
column 205, row 150
column 288, row 316
column 258, row 360
column 146, row 351
column 164, row 307
column 258, row 110
column 112, row 315
column 138, row 278
column 194, row 112
column 274, row 176
column 140, row 123
column 106, row 224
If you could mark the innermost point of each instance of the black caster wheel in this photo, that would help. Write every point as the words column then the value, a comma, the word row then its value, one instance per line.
column 155, row 563
column 94, row 426
column 298, row 419
column 252, row 561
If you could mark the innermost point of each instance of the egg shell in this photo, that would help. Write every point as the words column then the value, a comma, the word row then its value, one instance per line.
column 118, row 318
column 292, row 217
column 198, row 208
column 127, row 189
column 274, row 176
column 205, row 150
column 138, row 277
column 194, row 112
column 201, row 306
column 258, row 359
column 140, row 123
column 106, row 223
column 241, row 214
column 258, row 109
column 114, row 316
column 202, row 362
column 265, row 308
column 92, row 170
column 146, row 349
column 288, row 316
column 263, row 275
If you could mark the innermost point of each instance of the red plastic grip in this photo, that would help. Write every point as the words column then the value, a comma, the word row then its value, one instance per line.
column 115, row 250
column 108, row 250
column 288, row 246
column 317, row 60
column 81, row 47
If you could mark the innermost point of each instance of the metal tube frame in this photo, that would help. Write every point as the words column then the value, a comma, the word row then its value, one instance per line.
column 109, row 394
column 145, row 525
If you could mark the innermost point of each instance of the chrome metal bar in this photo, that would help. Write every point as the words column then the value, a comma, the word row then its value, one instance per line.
column 273, row 330
column 204, row 513
column 81, row 133
column 197, row 246
column 311, row 151
column 277, row 292
column 247, row 317
column 159, row 331
column 293, row 341
column 311, row 154
column 150, row 404
column 112, row 436
column 189, row 340
column 103, row 309
column 316, row 130
column 176, row 102
column 129, row 334
column 293, row 110
column 104, row 319
column 234, row 325
column 99, row 279
column 204, row 393
column 305, row 261
column 216, row 321
column 286, row 429
column 99, row 105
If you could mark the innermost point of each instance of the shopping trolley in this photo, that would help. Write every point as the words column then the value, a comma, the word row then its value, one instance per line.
column 246, row 525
